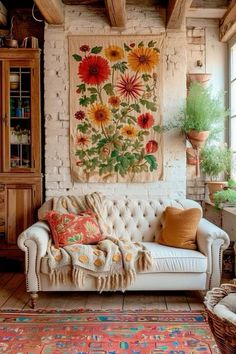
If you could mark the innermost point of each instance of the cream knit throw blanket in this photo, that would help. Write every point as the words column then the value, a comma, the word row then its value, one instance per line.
column 113, row 262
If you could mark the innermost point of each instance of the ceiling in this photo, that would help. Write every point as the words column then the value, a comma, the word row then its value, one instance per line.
column 176, row 11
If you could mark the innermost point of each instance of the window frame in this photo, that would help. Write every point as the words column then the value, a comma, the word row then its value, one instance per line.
column 231, row 44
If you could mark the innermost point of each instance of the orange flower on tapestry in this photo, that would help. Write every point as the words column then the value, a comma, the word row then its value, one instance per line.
column 115, row 124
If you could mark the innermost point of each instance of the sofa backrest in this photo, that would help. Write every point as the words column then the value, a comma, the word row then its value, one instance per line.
column 140, row 219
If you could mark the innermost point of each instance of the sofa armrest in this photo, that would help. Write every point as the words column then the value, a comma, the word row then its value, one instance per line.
column 34, row 242
column 212, row 241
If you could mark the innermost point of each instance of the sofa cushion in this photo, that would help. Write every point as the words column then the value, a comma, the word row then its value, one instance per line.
column 177, row 260
column 68, row 229
column 180, row 227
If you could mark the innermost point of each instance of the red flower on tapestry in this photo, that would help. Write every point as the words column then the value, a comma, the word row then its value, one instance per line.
column 82, row 140
column 94, row 70
column 114, row 101
column 84, row 48
column 80, row 115
column 130, row 86
column 145, row 120
column 151, row 146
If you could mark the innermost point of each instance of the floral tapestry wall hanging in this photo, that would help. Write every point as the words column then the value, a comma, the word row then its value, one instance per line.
column 115, row 108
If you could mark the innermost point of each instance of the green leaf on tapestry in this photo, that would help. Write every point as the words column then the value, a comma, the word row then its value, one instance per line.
column 81, row 88
column 83, row 127
column 92, row 89
column 84, row 101
column 146, row 77
column 80, row 153
column 109, row 89
column 149, row 105
column 124, row 104
column 140, row 44
column 135, row 107
column 159, row 129
column 157, row 50
column 132, row 118
column 151, row 44
column 96, row 50
column 95, row 138
column 151, row 160
column 127, row 48
column 93, row 98
column 137, row 145
column 121, row 66
column 77, row 57
column 92, row 151
column 114, row 153
column 101, row 143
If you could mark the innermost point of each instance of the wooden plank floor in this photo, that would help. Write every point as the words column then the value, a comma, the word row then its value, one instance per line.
column 13, row 296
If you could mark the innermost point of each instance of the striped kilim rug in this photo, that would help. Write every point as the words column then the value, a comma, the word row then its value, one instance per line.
column 93, row 332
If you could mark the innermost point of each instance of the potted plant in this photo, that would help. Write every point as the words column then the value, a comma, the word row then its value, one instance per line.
column 223, row 198
column 215, row 160
column 202, row 114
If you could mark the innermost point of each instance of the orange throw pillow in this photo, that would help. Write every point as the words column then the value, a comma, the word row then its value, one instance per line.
column 68, row 229
column 180, row 227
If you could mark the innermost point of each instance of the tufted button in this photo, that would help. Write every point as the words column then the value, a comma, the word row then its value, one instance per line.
column 139, row 203
column 126, row 204
column 156, row 215
column 149, row 225
column 132, row 215
column 144, row 215
column 137, row 226
column 142, row 238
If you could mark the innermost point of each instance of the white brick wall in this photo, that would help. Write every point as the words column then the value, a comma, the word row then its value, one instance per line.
column 141, row 19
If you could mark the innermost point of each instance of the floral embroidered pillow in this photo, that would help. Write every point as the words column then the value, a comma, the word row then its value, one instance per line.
column 68, row 229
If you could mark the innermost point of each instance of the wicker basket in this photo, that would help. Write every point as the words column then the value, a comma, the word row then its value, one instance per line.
column 223, row 330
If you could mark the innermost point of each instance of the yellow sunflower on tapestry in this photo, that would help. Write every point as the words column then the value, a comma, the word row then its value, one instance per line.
column 143, row 59
column 114, row 53
column 129, row 131
column 99, row 115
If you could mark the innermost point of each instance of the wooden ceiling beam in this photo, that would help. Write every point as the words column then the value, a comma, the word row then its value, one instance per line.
column 176, row 13
column 228, row 23
column 116, row 12
column 51, row 10
column 196, row 12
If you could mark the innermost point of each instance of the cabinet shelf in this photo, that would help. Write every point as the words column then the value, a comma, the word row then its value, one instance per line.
column 20, row 118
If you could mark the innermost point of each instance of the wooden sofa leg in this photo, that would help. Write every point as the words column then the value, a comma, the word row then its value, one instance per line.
column 34, row 297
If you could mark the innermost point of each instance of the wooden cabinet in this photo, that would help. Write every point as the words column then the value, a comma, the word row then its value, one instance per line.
column 20, row 157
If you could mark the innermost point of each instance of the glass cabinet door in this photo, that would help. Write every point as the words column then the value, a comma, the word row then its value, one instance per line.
column 19, row 128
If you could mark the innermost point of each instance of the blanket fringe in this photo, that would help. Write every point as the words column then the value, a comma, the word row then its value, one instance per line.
column 60, row 276
column 145, row 261
column 78, row 277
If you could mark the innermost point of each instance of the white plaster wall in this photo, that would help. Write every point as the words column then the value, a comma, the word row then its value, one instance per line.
column 141, row 19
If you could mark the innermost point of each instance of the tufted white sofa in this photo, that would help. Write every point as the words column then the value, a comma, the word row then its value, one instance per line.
column 141, row 220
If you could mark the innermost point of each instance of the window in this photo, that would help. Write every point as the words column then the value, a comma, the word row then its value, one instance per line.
column 232, row 102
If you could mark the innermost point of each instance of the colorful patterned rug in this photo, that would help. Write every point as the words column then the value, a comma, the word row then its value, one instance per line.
column 92, row 332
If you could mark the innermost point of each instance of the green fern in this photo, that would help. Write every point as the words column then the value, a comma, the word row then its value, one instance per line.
column 215, row 160
column 202, row 111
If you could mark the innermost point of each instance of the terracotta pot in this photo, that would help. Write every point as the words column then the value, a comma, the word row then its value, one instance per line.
column 202, row 78
column 191, row 156
column 214, row 187
column 197, row 139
